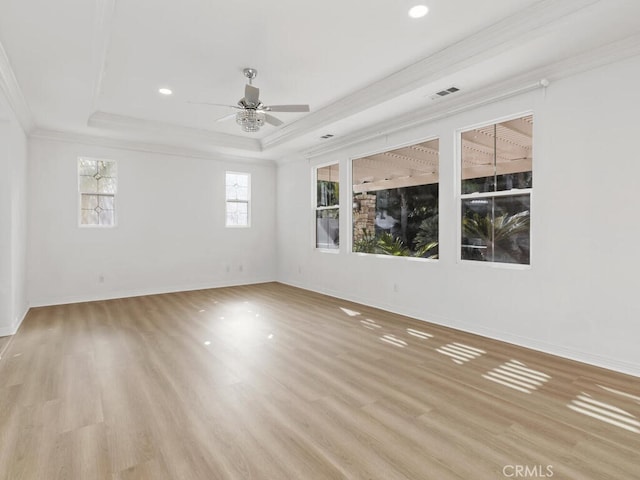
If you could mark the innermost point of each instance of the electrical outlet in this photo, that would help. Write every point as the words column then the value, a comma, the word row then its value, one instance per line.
column 395, row 287
column 240, row 268
column 101, row 278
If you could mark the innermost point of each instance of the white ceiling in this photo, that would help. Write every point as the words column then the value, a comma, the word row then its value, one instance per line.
column 92, row 68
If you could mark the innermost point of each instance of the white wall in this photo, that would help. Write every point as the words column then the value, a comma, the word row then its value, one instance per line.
column 170, row 232
column 578, row 297
column 13, row 223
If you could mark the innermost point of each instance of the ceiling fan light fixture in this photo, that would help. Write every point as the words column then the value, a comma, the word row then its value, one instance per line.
column 250, row 120
column 418, row 11
column 251, row 113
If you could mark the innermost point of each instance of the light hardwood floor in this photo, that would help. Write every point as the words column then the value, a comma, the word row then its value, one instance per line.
column 273, row 382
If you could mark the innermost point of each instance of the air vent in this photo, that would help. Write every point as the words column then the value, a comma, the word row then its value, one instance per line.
column 448, row 91
column 328, row 135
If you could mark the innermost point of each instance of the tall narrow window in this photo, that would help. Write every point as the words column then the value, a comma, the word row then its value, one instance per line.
column 97, row 186
column 238, row 196
column 327, row 207
column 395, row 202
column 496, row 186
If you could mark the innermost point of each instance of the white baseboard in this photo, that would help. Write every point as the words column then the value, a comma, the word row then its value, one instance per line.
column 589, row 358
column 111, row 295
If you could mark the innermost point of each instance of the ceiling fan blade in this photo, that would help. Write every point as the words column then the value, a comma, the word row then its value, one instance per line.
column 251, row 95
column 214, row 104
column 287, row 108
column 271, row 120
column 226, row 117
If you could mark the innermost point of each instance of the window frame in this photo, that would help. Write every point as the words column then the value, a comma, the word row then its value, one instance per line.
column 227, row 201
column 495, row 194
column 81, row 193
column 315, row 209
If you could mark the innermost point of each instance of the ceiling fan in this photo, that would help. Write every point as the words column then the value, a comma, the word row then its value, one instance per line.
column 252, row 112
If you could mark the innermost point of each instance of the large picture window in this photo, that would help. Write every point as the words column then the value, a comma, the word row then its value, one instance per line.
column 97, row 186
column 327, row 207
column 237, row 196
column 395, row 201
column 496, row 186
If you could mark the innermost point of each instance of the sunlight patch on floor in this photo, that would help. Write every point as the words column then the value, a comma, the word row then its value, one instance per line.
column 393, row 340
column 370, row 324
column 517, row 375
column 623, row 394
column 419, row 334
column 605, row 412
column 460, row 353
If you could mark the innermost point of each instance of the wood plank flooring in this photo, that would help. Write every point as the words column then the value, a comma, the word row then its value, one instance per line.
column 273, row 382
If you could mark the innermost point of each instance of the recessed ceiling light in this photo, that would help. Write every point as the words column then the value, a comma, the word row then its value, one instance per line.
column 165, row 91
column 418, row 11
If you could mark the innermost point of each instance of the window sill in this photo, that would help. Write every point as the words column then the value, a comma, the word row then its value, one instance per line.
column 96, row 226
column 411, row 259
column 333, row 251
column 498, row 265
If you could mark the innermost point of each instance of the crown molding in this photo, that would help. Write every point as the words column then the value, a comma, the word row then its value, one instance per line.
column 421, row 116
column 531, row 23
column 163, row 131
column 146, row 147
column 607, row 54
column 13, row 93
